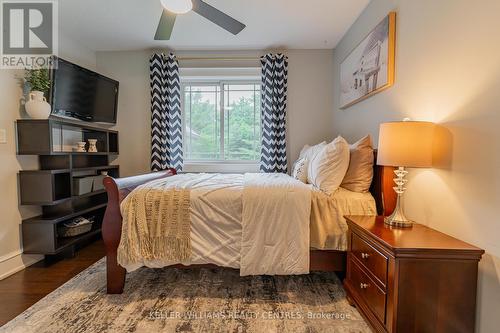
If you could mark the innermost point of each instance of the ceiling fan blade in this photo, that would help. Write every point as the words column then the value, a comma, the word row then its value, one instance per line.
column 216, row 16
column 165, row 26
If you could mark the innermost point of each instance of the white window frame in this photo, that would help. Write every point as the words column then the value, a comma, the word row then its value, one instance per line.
column 213, row 78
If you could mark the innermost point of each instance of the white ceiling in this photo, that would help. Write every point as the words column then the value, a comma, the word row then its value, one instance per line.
column 106, row 25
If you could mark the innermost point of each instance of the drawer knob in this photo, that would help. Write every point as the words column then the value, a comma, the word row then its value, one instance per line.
column 363, row 285
column 365, row 255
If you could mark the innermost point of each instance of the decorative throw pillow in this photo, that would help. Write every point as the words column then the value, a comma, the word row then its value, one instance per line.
column 328, row 168
column 299, row 170
column 360, row 172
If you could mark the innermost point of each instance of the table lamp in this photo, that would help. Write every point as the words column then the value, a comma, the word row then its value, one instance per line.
column 404, row 144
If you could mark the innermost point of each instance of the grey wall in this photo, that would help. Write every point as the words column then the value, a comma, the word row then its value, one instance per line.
column 309, row 98
column 447, row 71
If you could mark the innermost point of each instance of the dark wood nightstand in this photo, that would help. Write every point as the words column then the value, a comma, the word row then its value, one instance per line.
column 410, row 280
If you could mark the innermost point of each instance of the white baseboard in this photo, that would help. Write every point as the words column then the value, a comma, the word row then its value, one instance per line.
column 14, row 262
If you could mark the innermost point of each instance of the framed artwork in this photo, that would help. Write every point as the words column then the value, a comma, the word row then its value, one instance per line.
column 369, row 68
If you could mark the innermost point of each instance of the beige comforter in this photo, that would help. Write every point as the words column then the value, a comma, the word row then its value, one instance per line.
column 271, row 211
column 216, row 213
column 275, row 225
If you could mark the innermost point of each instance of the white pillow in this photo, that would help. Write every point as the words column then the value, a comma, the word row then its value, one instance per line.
column 310, row 151
column 360, row 172
column 299, row 170
column 328, row 168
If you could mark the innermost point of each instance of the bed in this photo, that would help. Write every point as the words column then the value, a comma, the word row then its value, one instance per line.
column 218, row 243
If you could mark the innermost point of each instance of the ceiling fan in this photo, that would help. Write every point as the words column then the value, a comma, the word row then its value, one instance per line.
column 174, row 7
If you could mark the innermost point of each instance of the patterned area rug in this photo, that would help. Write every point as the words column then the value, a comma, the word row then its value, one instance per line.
column 193, row 300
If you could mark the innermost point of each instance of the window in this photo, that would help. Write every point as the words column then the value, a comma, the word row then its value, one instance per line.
column 221, row 121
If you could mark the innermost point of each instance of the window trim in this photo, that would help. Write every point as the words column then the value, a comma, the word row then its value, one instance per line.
column 214, row 81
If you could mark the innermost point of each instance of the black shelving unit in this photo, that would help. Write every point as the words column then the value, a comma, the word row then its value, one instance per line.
column 52, row 186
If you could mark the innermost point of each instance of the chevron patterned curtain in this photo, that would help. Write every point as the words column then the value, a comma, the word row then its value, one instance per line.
column 274, row 89
column 166, row 121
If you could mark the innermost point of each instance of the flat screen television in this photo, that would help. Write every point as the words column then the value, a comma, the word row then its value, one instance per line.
column 81, row 94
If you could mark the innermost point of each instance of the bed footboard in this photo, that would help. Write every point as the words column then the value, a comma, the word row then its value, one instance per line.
column 117, row 190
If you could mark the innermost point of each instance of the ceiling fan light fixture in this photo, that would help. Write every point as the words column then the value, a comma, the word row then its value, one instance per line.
column 177, row 6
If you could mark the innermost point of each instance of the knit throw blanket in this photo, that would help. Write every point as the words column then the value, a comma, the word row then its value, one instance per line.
column 156, row 223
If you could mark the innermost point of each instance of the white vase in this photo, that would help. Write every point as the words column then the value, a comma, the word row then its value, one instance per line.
column 37, row 106
column 92, row 145
column 80, row 147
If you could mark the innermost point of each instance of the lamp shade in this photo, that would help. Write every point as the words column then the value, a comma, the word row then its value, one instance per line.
column 406, row 143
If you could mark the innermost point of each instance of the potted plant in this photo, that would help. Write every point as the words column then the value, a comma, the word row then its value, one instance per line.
column 39, row 82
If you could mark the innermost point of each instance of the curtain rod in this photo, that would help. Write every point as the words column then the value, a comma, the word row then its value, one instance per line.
column 219, row 59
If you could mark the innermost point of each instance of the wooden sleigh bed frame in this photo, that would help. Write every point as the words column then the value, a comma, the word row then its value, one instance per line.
column 118, row 189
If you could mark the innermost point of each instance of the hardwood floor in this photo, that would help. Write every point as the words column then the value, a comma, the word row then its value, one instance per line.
column 23, row 289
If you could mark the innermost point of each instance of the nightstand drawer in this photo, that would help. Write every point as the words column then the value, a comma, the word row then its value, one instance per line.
column 366, row 288
column 372, row 259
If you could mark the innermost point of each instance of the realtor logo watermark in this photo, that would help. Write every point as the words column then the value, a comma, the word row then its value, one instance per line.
column 29, row 33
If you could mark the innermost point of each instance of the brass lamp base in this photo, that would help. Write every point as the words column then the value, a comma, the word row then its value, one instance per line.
column 398, row 219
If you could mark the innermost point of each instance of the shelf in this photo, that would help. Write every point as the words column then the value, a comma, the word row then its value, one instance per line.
column 98, row 153
column 97, row 168
column 53, row 172
column 56, row 202
column 56, row 171
column 50, row 136
column 88, row 194
column 45, row 203
column 44, row 187
column 55, row 153
column 63, row 242
column 70, row 122
column 53, row 186
column 59, row 153
column 58, row 219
